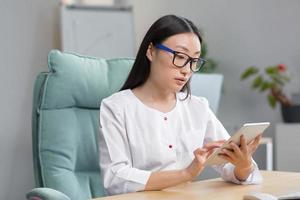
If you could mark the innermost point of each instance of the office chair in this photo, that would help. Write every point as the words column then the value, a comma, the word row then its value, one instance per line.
column 65, row 120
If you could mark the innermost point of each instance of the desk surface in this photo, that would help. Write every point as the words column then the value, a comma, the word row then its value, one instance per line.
column 275, row 183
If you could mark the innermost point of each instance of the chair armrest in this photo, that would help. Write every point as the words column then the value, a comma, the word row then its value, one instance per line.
column 46, row 194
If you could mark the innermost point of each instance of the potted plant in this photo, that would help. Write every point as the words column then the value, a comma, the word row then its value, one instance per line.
column 210, row 65
column 272, row 80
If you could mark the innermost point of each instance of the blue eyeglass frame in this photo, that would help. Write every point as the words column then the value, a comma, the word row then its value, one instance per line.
column 165, row 48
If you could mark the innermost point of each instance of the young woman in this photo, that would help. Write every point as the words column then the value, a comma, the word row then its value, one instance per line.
column 153, row 133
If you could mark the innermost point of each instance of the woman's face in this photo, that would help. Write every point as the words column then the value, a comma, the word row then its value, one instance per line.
column 163, row 73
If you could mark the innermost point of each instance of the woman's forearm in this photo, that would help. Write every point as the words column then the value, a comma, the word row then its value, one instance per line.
column 164, row 179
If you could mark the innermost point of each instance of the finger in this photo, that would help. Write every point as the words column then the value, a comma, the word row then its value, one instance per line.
column 226, row 157
column 209, row 153
column 200, row 155
column 235, row 148
column 257, row 139
column 215, row 144
column 200, row 159
column 243, row 143
column 255, row 143
column 221, row 141
column 211, row 146
column 228, row 153
column 200, row 152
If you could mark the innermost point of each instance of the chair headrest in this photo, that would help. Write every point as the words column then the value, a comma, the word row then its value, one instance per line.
column 82, row 81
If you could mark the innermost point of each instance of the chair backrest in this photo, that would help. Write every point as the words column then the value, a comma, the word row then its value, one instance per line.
column 209, row 86
column 65, row 121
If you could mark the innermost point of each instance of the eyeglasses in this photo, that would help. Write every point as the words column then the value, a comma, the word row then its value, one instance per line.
column 181, row 59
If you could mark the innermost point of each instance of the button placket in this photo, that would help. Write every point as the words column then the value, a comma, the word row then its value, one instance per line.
column 170, row 143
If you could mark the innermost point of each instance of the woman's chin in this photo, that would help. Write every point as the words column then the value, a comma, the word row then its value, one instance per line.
column 178, row 88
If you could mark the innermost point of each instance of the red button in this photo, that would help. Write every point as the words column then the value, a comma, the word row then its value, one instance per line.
column 170, row 146
column 165, row 118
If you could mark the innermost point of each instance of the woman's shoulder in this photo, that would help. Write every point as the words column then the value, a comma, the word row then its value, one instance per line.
column 192, row 99
column 117, row 99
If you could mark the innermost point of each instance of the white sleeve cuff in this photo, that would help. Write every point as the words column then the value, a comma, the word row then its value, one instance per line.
column 140, row 180
column 134, row 179
column 254, row 178
column 138, row 176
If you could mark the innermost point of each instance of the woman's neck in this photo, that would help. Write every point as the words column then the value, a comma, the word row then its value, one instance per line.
column 155, row 92
column 156, row 97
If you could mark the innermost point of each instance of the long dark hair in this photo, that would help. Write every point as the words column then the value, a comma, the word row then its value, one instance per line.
column 160, row 30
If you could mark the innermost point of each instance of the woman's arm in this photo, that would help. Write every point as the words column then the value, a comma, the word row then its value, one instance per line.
column 164, row 179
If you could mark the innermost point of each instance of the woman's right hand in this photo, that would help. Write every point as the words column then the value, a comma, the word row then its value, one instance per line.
column 201, row 155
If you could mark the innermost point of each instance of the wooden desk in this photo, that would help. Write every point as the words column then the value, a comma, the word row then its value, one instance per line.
column 275, row 183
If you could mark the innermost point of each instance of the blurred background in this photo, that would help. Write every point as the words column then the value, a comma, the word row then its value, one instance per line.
column 237, row 33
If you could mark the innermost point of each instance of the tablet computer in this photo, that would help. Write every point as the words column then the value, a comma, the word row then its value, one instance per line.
column 249, row 130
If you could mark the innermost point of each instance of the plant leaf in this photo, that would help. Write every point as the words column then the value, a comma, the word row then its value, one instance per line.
column 265, row 85
column 248, row 72
column 271, row 70
column 272, row 101
column 277, row 79
column 209, row 66
column 203, row 50
column 257, row 82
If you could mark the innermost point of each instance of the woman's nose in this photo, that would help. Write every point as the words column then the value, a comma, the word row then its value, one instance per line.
column 186, row 69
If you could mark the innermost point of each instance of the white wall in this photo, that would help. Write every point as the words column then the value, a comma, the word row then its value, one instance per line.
column 238, row 34
column 28, row 30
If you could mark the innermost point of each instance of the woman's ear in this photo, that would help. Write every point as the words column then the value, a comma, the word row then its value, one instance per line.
column 150, row 52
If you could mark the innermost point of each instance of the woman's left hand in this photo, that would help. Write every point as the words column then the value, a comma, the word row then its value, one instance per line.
column 241, row 156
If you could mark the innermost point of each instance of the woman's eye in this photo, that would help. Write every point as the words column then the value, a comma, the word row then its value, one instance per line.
column 180, row 57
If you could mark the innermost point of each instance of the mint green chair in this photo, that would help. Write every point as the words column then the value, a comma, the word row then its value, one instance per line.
column 65, row 121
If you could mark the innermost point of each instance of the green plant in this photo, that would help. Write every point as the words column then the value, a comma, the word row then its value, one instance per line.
column 273, row 80
column 210, row 66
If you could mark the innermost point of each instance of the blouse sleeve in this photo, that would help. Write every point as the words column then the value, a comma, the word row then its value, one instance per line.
column 118, row 174
column 216, row 131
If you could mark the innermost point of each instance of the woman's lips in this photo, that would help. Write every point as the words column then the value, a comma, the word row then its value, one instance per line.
column 180, row 81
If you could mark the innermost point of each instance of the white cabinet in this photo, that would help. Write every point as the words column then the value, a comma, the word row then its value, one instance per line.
column 263, row 155
column 287, row 147
column 95, row 31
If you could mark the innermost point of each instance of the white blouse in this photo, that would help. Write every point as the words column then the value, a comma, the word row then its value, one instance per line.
column 136, row 140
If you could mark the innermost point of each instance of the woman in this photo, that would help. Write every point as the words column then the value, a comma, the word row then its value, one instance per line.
column 152, row 134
